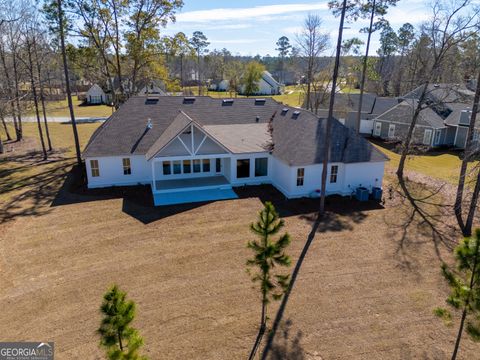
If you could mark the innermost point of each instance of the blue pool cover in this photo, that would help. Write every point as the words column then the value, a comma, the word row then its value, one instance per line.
column 183, row 197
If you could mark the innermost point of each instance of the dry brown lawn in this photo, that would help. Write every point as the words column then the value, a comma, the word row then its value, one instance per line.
column 358, row 295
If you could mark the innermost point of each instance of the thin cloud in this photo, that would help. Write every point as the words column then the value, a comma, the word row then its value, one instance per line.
column 247, row 13
column 234, row 41
column 292, row 30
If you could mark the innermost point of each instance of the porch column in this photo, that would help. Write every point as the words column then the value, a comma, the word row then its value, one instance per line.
column 154, row 185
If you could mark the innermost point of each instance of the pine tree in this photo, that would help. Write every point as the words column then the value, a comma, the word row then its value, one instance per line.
column 465, row 288
column 268, row 254
column 120, row 340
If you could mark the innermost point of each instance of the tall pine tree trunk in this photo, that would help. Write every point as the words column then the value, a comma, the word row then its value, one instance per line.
column 42, row 95
column 11, row 96
column 466, row 226
column 35, row 99
column 364, row 69
column 67, row 82
column 326, row 155
column 7, row 133
column 199, row 77
column 17, row 96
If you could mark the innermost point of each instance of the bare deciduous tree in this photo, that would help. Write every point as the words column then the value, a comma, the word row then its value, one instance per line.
column 312, row 41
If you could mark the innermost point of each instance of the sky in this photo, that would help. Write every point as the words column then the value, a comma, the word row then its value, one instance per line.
column 251, row 27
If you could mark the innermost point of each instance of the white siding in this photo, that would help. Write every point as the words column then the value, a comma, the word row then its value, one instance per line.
column 349, row 177
column 111, row 171
column 95, row 95
column 363, row 174
column 281, row 175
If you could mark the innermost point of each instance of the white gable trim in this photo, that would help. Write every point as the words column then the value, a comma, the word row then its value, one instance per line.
column 191, row 150
column 184, row 145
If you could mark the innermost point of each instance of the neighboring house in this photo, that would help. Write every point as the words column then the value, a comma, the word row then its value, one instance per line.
column 444, row 122
column 286, row 77
column 266, row 86
column 222, row 85
column 346, row 108
column 197, row 148
column 154, row 87
column 95, row 95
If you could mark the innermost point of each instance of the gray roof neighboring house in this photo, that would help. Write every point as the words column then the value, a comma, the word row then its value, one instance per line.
column 297, row 135
column 403, row 113
column 345, row 104
column 443, row 93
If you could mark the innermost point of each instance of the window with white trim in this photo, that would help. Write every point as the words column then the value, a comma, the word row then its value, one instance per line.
column 300, row 176
column 197, row 166
column 177, row 167
column 206, row 165
column 167, row 169
column 218, row 165
column 243, row 168
column 187, row 166
column 333, row 174
column 127, row 169
column 95, row 169
column 261, row 167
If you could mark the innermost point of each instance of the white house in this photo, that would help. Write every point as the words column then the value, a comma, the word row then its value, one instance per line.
column 197, row 148
column 95, row 95
column 222, row 85
column 267, row 85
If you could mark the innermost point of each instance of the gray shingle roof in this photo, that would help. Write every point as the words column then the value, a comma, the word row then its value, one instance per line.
column 403, row 113
column 178, row 124
column 241, row 138
column 297, row 140
column 443, row 93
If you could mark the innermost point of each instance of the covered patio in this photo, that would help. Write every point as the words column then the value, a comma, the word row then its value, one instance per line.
column 197, row 183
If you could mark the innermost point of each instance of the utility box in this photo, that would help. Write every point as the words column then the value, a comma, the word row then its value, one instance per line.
column 362, row 194
column 377, row 193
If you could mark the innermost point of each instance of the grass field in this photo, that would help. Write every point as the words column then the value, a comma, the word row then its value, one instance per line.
column 364, row 291
column 436, row 164
column 60, row 109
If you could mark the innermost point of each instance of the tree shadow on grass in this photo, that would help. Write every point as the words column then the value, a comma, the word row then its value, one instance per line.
column 287, row 345
column 31, row 195
column 138, row 201
column 422, row 217
column 340, row 215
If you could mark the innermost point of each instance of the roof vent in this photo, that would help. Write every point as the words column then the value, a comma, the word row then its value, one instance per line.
column 227, row 102
column 295, row 114
column 284, row 111
column 257, row 118
column 260, row 101
column 189, row 99
column 149, row 123
column 151, row 101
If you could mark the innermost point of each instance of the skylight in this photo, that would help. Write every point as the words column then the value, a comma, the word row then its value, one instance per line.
column 151, row 101
column 189, row 99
